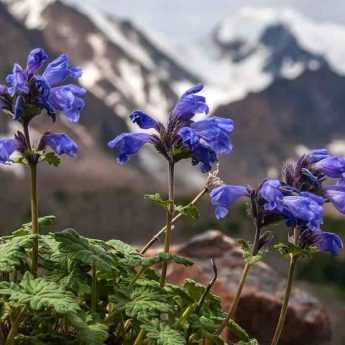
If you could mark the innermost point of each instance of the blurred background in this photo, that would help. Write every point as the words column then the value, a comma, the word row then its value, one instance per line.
column 276, row 67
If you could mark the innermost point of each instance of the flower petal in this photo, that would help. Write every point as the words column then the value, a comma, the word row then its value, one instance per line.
column 223, row 197
column 60, row 143
column 17, row 81
column 143, row 120
column 35, row 60
column 128, row 144
column 60, row 69
column 7, row 147
column 190, row 104
column 68, row 99
column 331, row 166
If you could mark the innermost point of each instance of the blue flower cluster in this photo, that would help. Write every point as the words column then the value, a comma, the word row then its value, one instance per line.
column 28, row 92
column 202, row 141
column 298, row 199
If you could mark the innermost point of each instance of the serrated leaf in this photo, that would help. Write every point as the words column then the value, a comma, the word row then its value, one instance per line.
column 166, row 257
column 248, row 257
column 188, row 210
column 238, row 331
column 287, row 249
column 14, row 252
column 157, row 199
column 89, row 333
column 126, row 253
column 40, row 294
column 163, row 334
column 87, row 251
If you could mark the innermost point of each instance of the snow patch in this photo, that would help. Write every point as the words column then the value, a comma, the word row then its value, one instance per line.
column 29, row 11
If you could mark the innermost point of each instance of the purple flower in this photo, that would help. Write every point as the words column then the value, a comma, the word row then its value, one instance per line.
column 60, row 69
column 331, row 166
column 213, row 131
column 336, row 194
column 17, row 81
column 271, row 193
column 224, row 196
column 44, row 91
column 7, row 147
column 60, row 143
column 305, row 208
column 143, row 120
column 190, row 104
column 316, row 155
column 35, row 60
column 68, row 99
column 181, row 138
column 128, row 144
column 325, row 241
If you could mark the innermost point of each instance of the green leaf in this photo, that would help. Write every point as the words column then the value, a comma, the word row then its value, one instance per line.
column 156, row 199
column 127, row 254
column 188, row 210
column 287, row 249
column 163, row 334
column 82, row 249
column 14, row 252
column 237, row 330
column 250, row 342
column 51, row 158
column 39, row 294
column 166, row 257
column 89, row 333
column 248, row 257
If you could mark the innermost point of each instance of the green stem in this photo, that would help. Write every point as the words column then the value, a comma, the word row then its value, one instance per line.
column 156, row 237
column 94, row 288
column 14, row 328
column 170, row 216
column 34, row 217
column 140, row 337
column 284, row 309
column 233, row 309
column 234, row 305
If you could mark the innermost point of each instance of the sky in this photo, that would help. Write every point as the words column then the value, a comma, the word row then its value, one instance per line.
column 191, row 20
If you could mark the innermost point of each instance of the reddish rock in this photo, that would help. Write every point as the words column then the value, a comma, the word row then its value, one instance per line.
column 307, row 320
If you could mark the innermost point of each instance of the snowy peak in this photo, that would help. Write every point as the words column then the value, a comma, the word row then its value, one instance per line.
column 288, row 37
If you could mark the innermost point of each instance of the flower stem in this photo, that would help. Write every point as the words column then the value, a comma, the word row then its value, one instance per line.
column 170, row 216
column 34, row 217
column 284, row 309
column 94, row 288
column 233, row 308
column 14, row 328
column 234, row 305
column 156, row 237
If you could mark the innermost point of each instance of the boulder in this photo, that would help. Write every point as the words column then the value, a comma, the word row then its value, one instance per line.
column 307, row 320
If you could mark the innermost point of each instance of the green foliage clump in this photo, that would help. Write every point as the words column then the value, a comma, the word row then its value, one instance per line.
column 97, row 292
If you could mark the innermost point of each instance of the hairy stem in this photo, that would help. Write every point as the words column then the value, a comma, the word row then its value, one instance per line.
column 170, row 216
column 34, row 217
column 284, row 309
column 156, row 237
column 14, row 328
column 94, row 288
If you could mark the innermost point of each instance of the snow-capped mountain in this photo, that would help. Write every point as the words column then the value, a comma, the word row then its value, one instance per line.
column 252, row 47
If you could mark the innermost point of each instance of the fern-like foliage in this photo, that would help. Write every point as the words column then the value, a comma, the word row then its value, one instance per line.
column 39, row 294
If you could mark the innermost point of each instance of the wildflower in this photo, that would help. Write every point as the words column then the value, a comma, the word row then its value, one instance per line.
column 323, row 240
column 202, row 141
column 336, row 194
column 224, row 196
column 60, row 143
column 28, row 92
column 7, row 147
column 331, row 166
